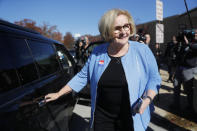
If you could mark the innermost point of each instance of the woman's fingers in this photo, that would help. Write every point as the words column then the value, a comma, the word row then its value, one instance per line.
column 145, row 104
column 51, row 97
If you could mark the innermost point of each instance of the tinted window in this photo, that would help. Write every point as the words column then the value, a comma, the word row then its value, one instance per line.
column 8, row 75
column 65, row 62
column 45, row 57
column 16, row 58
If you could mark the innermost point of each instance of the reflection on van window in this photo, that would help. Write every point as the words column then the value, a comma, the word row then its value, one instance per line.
column 65, row 62
column 21, row 59
column 45, row 57
column 8, row 76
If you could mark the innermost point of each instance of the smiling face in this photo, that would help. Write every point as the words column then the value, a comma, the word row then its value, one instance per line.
column 122, row 30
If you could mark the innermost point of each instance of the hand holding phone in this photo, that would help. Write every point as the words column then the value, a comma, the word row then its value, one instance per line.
column 138, row 105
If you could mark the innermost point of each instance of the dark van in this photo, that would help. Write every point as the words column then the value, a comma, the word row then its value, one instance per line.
column 32, row 66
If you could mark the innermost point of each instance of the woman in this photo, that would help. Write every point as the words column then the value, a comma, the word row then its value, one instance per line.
column 120, row 73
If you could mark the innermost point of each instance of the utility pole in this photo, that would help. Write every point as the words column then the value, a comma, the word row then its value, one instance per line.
column 188, row 14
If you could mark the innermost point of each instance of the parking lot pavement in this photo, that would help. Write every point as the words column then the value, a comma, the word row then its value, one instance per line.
column 81, row 116
column 179, row 119
column 163, row 119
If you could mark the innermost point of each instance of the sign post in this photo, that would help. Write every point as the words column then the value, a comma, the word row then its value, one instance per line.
column 159, row 10
column 159, row 25
column 159, row 33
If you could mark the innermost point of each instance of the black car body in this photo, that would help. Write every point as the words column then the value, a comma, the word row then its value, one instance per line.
column 32, row 66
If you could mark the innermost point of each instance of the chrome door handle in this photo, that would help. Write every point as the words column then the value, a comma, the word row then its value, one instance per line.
column 42, row 103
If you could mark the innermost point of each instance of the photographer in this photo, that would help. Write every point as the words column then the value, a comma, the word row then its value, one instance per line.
column 80, row 47
column 171, row 53
column 141, row 38
column 147, row 39
column 190, row 69
column 157, row 53
column 187, row 67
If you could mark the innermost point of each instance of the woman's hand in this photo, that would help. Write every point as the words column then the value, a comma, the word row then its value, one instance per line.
column 145, row 104
column 54, row 96
column 186, row 40
column 51, row 97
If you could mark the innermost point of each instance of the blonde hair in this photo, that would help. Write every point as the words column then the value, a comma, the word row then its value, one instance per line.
column 106, row 24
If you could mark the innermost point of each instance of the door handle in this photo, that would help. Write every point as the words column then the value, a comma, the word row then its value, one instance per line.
column 41, row 103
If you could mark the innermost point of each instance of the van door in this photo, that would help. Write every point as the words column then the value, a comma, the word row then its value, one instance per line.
column 18, row 108
column 54, row 78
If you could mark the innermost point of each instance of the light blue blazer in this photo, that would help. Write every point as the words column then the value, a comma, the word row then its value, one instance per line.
column 141, row 72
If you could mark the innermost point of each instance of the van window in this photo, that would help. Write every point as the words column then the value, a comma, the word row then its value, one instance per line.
column 8, row 75
column 64, row 60
column 19, row 58
column 45, row 57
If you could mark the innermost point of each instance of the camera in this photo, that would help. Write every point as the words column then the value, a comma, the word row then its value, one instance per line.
column 78, row 43
column 186, row 50
column 142, row 38
column 139, row 38
column 188, row 33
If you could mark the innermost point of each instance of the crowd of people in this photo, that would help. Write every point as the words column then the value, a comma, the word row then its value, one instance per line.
column 181, row 56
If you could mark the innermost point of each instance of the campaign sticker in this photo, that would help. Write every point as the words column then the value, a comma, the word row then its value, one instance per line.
column 101, row 62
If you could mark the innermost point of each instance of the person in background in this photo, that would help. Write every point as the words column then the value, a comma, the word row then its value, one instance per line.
column 123, row 76
column 134, row 37
column 79, row 51
column 190, row 69
column 86, row 42
column 147, row 41
column 85, row 51
column 186, row 69
column 143, row 37
column 157, row 52
column 171, row 54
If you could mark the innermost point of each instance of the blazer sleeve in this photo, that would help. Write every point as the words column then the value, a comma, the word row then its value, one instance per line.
column 80, row 80
column 154, row 79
